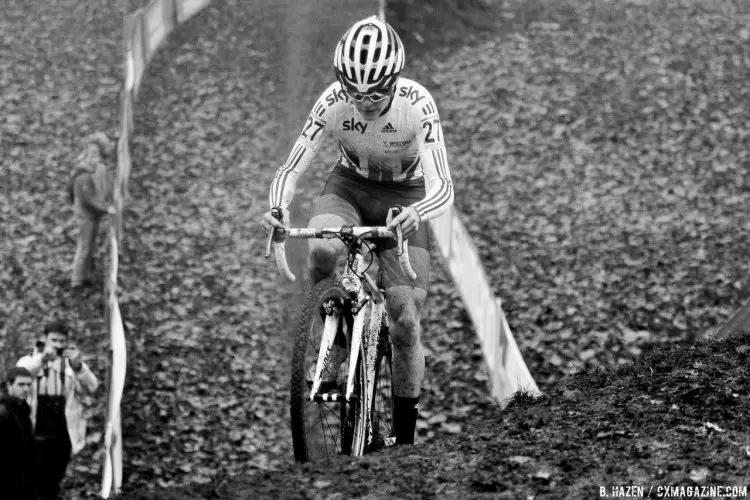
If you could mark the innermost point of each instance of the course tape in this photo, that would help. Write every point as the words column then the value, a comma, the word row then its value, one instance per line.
column 508, row 370
column 112, row 471
column 144, row 30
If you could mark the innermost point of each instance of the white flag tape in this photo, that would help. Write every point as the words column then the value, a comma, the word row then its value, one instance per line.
column 112, row 473
column 145, row 30
column 508, row 370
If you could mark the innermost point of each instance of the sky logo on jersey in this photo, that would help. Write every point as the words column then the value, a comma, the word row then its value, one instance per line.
column 354, row 126
column 410, row 93
column 388, row 128
column 336, row 96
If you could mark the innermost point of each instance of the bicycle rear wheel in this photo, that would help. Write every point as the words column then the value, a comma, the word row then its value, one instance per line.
column 381, row 433
column 324, row 427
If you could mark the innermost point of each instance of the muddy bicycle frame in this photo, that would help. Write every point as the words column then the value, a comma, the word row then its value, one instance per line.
column 351, row 279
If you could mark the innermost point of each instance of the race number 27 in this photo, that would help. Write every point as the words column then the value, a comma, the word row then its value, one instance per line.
column 316, row 127
column 429, row 126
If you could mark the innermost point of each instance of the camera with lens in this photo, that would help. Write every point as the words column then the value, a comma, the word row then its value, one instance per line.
column 40, row 347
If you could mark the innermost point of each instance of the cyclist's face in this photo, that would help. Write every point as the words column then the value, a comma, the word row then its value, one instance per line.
column 370, row 109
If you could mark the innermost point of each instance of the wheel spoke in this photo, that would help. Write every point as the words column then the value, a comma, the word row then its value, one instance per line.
column 333, row 437
column 383, row 398
column 328, row 408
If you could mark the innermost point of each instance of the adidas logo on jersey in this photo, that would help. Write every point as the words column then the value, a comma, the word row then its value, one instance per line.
column 388, row 128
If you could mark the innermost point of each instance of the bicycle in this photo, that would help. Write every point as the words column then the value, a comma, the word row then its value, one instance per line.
column 354, row 388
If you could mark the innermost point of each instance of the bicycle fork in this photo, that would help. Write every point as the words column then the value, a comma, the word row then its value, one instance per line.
column 325, row 353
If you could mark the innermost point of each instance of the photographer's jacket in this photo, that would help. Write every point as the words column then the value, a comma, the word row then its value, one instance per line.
column 47, row 380
column 17, row 460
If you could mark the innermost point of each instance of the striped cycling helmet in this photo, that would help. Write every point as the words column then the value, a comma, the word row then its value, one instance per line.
column 369, row 57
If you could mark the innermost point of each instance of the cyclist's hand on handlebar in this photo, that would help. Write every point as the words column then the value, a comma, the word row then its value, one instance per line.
column 408, row 219
column 269, row 221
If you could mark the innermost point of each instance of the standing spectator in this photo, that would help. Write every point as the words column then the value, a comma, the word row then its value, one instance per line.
column 90, row 191
column 56, row 412
column 17, row 460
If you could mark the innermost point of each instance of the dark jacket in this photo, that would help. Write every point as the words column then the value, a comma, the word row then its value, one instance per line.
column 17, row 459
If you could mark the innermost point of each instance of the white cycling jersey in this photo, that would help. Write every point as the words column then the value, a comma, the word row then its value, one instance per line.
column 404, row 143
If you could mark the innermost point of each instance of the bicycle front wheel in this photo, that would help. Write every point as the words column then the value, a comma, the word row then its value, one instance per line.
column 324, row 427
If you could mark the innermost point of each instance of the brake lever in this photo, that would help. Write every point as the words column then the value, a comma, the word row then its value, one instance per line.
column 400, row 240
column 395, row 211
column 278, row 236
column 272, row 236
column 270, row 242
column 402, row 248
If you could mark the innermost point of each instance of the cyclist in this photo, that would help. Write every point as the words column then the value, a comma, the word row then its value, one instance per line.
column 391, row 153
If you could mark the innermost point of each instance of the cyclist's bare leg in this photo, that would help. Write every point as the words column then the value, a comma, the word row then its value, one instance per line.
column 404, row 305
column 324, row 254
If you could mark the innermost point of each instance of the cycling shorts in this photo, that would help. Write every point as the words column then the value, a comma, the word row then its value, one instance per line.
column 360, row 201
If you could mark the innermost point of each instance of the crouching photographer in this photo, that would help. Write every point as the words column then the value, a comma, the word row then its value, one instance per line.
column 59, row 377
